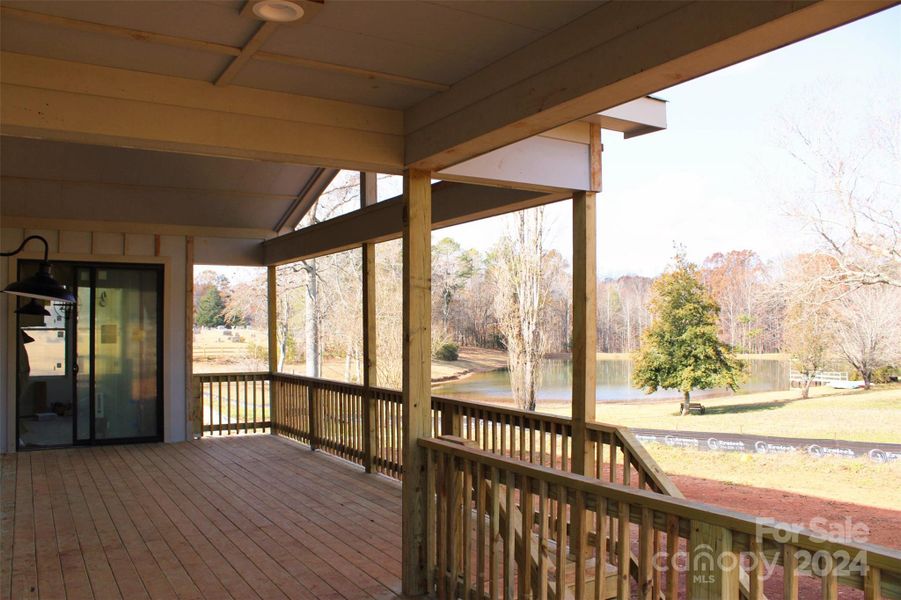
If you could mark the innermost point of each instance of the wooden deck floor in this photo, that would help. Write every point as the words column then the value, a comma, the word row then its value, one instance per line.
column 240, row 517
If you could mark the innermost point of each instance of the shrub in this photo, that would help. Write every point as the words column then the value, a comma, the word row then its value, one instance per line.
column 448, row 351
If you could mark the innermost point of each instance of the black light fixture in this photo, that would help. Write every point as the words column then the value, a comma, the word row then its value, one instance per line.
column 41, row 285
column 33, row 308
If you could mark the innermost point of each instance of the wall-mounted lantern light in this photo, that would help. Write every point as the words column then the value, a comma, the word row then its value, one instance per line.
column 41, row 285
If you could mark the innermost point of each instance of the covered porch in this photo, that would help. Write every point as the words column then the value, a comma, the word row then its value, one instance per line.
column 202, row 134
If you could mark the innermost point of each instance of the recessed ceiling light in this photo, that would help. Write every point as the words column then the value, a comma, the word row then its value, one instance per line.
column 277, row 11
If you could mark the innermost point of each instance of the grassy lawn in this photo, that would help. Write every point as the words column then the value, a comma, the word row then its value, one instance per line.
column 855, row 415
column 847, row 480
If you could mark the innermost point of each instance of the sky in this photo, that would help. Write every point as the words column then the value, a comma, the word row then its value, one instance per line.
column 707, row 181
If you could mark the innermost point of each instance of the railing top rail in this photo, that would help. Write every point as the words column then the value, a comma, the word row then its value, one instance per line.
column 648, row 464
column 512, row 412
column 324, row 381
column 255, row 374
column 879, row 556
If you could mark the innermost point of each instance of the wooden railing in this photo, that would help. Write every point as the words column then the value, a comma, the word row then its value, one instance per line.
column 504, row 528
column 366, row 428
column 232, row 403
column 341, row 419
column 546, row 440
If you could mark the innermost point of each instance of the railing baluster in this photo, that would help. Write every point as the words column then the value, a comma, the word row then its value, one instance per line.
column 219, row 414
column 509, row 537
column 646, row 555
column 755, row 575
column 453, row 524
column 553, row 464
column 431, row 519
column 622, row 553
column 789, row 573
column 480, row 530
column 672, row 550
column 872, row 585
column 443, row 538
column 528, row 518
column 830, row 577
column 600, row 550
column 246, row 398
column 579, row 519
column 560, row 570
column 542, row 540
column 466, row 523
column 495, row 542
column 314, row 421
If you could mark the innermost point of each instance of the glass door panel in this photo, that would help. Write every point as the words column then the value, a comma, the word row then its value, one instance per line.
column 44, row 374
column 83, row 355
column 125, row 359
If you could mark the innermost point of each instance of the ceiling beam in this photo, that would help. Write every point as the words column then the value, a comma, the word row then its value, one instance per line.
column 614, row 54
column 119, row 186
column 452, row 204
column 15, row 222
column 68, row 101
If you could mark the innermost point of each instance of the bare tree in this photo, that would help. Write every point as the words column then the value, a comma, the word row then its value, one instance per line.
column 336, row 200
column 389, row 315
column 867, row 324
column 848, row 189
column 520, row 303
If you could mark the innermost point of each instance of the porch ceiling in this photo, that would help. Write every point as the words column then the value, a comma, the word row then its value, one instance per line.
column 365, row 85
column 63, row 180
column 435, row 43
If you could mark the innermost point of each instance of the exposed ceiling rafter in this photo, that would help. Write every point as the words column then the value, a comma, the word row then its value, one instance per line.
column 247, row 52
column 305, row 199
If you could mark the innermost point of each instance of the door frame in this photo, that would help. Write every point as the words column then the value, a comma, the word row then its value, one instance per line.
column 160, row 264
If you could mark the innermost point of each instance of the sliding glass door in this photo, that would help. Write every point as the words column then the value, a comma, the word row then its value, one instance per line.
column 109, row 366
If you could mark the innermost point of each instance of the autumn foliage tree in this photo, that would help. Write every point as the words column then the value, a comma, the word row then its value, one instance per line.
column 680, row 349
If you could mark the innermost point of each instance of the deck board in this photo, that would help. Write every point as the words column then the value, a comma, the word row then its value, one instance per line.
column 228, row 517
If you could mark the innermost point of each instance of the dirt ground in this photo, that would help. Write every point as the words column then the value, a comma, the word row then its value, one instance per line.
column 884, row 525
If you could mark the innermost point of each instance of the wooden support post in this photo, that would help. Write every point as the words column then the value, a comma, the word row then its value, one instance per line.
column 584, row 328
column 595, row 147
column 417, row 366
column 272, row 323
column 713, row 563
column 368, row 197
column 193, row 409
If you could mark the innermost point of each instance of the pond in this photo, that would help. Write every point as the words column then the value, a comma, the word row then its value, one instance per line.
column 613, row 383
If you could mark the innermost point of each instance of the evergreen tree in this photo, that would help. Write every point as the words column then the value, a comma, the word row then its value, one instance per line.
column 211, row 308
column 680, row 349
